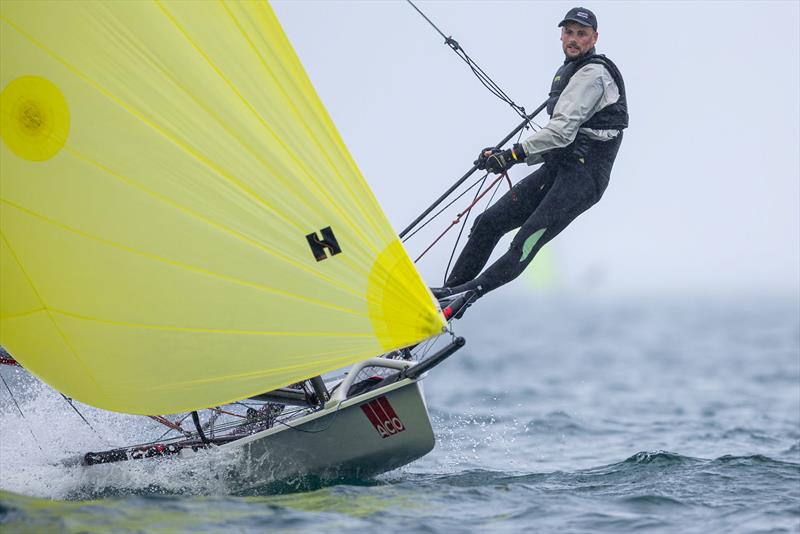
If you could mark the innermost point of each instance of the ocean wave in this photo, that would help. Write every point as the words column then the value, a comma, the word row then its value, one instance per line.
column 650, row 500
column 747, row 433
column 662, row 458
column 557, row 422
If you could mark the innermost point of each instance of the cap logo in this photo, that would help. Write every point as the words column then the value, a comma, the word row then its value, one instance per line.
column 582, row 15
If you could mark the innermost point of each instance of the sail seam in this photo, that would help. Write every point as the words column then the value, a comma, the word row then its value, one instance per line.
column 162, row 132
column 139, row 115
column 133, row 183
column 174, row 263
column 288, row 185
column 209, row 330
column 301, row 120
column 63, row 336
column 23, row 314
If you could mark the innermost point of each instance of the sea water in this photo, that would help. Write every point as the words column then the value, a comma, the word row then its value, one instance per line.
column 560, row 415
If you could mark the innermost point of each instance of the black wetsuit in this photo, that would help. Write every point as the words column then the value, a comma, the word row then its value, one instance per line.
column 542, row 204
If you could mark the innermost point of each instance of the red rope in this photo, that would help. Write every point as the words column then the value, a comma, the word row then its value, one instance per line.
column 218, row 410
column 166, row 422
column 467, row 210
column 8, row 361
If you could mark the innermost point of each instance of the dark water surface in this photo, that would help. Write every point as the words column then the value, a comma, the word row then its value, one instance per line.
column 670, row 415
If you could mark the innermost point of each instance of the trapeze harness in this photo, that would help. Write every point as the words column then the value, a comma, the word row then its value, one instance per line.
column 542, row 204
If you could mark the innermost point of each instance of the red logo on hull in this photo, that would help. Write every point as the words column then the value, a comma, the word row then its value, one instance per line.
column 383, row 417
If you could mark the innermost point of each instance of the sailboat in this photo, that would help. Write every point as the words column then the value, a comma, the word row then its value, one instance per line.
column 185, row 232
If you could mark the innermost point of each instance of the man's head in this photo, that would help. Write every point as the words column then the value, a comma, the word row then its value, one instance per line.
column 578, row 32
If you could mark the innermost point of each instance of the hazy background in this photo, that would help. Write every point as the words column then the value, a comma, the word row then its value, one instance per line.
column 704, row 196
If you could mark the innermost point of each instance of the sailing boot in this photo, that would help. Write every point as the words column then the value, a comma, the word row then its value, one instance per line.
column 455, row 308
column 440, row 293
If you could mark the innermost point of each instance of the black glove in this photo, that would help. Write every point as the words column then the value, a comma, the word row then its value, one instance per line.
column 481, row 161
column 501, row 160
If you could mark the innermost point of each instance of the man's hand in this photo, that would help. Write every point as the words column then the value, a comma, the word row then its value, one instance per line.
column 496, row 161
column 485, row 153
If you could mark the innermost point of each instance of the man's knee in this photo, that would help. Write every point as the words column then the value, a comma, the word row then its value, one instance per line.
column 484, row 225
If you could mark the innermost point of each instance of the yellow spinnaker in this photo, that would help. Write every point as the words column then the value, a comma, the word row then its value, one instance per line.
column 162, row 165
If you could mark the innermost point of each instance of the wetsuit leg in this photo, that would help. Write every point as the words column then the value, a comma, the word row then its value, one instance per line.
column 507, row 214
column 573, row 191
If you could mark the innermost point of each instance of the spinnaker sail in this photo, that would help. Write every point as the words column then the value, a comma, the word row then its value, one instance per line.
column 182, row 225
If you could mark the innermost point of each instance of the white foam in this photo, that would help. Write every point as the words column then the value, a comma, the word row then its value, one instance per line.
column 35, row 450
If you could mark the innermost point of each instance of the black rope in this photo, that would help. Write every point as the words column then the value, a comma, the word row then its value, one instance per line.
column 178, row 422
column 461, row 231
column 464, row 224
column 20, row 412
column 484, row 78
column 429, row 345
column 69, row 401
column 435, row 215
column 489, row 203
column 465, row 177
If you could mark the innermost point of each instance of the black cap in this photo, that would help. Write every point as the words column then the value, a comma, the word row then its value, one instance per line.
column 582, row 16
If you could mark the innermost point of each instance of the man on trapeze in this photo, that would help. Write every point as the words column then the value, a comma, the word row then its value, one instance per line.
column 588, row 112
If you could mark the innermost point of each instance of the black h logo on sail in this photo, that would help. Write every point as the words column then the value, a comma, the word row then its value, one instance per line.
column 328, row 241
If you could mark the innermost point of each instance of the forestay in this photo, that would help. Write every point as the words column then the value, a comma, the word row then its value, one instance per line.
column 174, row 200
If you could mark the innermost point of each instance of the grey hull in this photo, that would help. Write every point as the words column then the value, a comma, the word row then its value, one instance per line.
column 359, row 437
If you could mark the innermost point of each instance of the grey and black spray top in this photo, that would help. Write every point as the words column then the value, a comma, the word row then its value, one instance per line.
column 612, row 117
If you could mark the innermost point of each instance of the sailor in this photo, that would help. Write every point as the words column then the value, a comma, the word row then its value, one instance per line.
column 588, row 112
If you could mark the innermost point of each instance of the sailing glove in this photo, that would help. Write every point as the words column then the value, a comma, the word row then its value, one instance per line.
column 500, row 160
column 481, row 161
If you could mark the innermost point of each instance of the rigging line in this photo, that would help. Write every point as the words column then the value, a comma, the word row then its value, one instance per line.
column 425, row 349
column 221, row 411
column 233, row 425
column 27, row 425
column 72, row 405
column 461, row 231
column 453, row 44
column 162, row 436
column 434, row 216
column 459, row 215
column 464, row 224
column 487, row 81
column 469, row 173
column 491, row 198
column 177, row 427
column 484, row 78
column 170, row 425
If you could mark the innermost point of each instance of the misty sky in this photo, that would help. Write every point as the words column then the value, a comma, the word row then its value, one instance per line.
column 705, row 193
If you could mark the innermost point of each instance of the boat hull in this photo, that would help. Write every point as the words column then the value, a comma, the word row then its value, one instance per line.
column 360, row 437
